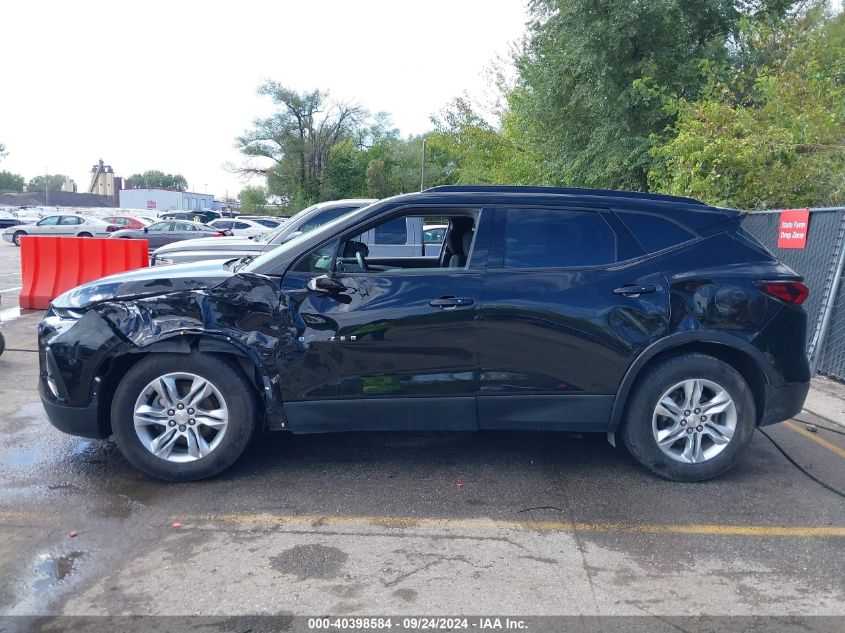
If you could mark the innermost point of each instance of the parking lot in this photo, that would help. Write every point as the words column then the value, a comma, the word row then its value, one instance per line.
column 416, row 523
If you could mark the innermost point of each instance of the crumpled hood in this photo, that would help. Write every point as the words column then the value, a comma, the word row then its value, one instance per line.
column 145, row 282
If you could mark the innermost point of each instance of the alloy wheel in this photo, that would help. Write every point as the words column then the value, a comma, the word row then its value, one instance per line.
column 694, row 421
column 180, row 417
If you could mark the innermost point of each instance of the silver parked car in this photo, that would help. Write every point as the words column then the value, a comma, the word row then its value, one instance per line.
column 235, row 247
column 61, row 226
column 239, row 227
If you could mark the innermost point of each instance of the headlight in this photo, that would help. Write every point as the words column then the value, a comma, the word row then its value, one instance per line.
column 161, row 260
column 85, row 295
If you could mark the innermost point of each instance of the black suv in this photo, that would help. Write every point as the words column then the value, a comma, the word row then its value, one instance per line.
column 654, row 319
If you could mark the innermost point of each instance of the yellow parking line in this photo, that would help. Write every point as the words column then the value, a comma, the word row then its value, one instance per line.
column 815, row 438
column 549, row 526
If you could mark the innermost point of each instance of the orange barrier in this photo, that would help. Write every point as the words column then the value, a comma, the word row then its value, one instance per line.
column 52, row 265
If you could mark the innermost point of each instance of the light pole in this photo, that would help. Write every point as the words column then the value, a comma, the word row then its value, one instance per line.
column 422, row 168
column 46, row 189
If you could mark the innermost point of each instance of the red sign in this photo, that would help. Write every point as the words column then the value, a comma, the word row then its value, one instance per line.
column 792, row 232
column 151, row 204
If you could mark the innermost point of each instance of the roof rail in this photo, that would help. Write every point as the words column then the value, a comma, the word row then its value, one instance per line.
column 607, row 193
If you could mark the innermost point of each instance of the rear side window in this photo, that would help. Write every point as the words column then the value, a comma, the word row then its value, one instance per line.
column 654, row 233
column 557, row 238
column 392, row 232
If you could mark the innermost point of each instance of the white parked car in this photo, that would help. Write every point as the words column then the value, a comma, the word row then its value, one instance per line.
column 239, row 226
column 61, row 226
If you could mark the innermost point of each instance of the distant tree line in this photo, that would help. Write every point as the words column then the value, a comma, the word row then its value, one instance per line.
column 737, row 102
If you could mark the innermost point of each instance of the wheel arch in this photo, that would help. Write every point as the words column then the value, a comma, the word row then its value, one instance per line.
column 112, row 369
column 739, row 354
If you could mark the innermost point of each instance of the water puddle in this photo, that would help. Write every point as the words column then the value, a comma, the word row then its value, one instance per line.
column 53, row 570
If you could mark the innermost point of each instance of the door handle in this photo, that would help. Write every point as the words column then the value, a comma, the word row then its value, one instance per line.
column 451, row 302
column 631, row 290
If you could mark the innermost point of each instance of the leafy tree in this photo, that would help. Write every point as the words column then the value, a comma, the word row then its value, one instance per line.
column 2, row 151
column 253, row 199
column 155, row 179
column 771, row 135
column 595, row 76
column 10, row 181
column 294, row 144
column 54, row 182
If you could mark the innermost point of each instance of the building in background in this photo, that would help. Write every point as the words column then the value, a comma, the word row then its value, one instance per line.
column 165, row 200
column 104, row 182
column 69, row 186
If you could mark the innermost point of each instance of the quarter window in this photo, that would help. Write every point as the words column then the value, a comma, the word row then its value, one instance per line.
column 557, row 238
column 653, row 232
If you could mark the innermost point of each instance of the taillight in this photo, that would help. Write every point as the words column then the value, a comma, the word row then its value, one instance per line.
column 793, row 292
column 111, row 228
column 219, row 234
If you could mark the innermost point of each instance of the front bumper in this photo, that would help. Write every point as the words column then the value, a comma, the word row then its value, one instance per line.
column 783, row 401
column 81, row 421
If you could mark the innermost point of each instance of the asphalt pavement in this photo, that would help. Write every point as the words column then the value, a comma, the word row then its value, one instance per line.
column 412, row 523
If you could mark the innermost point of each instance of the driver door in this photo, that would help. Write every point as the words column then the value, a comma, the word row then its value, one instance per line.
column 387, row 347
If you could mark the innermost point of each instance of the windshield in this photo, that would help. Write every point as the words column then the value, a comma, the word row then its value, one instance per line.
column 270, row 236
column 324, row 230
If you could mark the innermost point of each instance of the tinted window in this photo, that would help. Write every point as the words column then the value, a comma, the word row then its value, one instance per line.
column 239, row 225
column 392, row 232
column 549, row 238
column 653, row 232
column 70, row 219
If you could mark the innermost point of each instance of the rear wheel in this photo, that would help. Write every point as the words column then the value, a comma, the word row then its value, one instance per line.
column 689, row 418
column 181, row 417
column 16, row 238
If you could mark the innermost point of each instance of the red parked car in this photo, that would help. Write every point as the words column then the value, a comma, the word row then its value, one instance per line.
column 127, row 221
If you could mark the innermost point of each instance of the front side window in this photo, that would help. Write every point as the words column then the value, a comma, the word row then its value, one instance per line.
column 158, row 227
column 557, row 238
column 49, row 221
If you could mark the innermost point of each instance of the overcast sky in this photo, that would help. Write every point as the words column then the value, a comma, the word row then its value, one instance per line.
column 169, row 85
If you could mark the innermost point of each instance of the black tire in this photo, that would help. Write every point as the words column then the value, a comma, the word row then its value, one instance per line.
column 637, row 433
column 83, row 234
column 225, row 376
column 16, row 238
column 2, row 344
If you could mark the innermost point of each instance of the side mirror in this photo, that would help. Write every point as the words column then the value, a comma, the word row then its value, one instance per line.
column 146, row 230
column 325, row 284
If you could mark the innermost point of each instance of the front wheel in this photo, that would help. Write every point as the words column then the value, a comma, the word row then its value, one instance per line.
column 84, row 235
column 181, row 417
column 16, row 238
column 689, row 418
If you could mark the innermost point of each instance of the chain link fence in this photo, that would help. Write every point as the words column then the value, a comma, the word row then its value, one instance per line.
column 821, row 265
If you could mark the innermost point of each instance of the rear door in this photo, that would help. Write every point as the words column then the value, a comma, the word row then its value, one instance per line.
column 569, row 300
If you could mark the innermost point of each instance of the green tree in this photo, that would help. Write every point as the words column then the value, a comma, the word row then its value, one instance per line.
column 253, row 199
column 292, row 147
column 156, row 179
column 595, row 76
column 773, row 133
column 10, row 181
column 53, row 182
